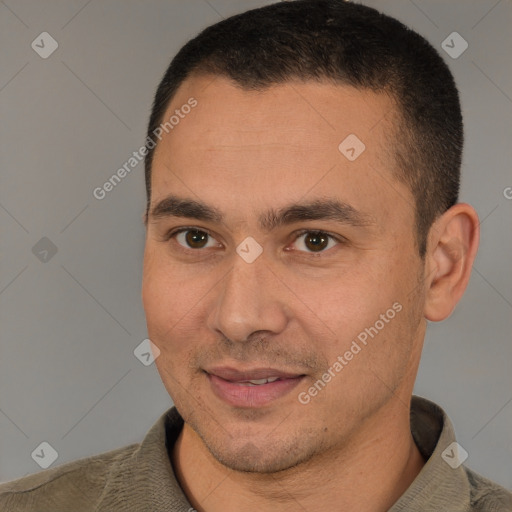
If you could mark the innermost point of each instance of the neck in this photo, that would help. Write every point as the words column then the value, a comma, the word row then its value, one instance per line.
column 369, row 473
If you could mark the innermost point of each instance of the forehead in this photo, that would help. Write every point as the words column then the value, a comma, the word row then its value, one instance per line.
column 239, row 149
column 312, row 114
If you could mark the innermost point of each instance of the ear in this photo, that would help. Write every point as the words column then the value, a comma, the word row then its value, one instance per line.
column 451, row 250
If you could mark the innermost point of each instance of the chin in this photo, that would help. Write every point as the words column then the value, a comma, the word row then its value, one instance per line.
column 262, row 457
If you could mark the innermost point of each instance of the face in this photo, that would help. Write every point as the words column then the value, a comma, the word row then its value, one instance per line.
column 272, row 253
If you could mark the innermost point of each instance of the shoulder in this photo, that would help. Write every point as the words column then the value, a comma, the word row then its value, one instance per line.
column 487, row 496
column 77, row 484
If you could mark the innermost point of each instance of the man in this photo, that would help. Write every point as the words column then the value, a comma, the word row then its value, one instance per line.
column 302, row 227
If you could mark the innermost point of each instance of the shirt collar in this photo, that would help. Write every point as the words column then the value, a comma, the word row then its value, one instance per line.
column 152, row 482
column 442, row 483
column 147, row 481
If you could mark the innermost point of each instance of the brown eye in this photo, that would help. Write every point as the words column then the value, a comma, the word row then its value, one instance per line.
column 194, row 239
column 315, row 241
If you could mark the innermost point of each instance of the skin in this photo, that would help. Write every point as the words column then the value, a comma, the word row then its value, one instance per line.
column 294, row 308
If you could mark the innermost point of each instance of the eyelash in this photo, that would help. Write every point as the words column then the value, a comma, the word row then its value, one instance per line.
column 297, row 235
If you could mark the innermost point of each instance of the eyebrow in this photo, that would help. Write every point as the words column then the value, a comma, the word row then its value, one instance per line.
column 319, row 209
column 173, row 206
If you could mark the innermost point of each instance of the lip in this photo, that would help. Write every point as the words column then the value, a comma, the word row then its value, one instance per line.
column 234, row 374
column 223, row 382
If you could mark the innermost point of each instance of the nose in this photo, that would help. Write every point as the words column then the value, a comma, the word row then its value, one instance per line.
column 249, row 300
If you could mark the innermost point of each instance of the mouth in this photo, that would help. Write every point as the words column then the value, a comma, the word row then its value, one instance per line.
column 251, row 388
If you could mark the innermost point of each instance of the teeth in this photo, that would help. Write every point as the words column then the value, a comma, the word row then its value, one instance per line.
column 258, row 382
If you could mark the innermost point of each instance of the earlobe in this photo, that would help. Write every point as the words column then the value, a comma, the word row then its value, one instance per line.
column 453, row 243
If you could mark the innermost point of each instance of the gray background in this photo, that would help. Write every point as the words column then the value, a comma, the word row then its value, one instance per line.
column 70, row 325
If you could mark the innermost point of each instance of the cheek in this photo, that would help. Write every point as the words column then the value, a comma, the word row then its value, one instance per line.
column 174, row 301
column 382, row 322
column 348, row 306
column 343, row 301
column 163, row 303
column 171, row 307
